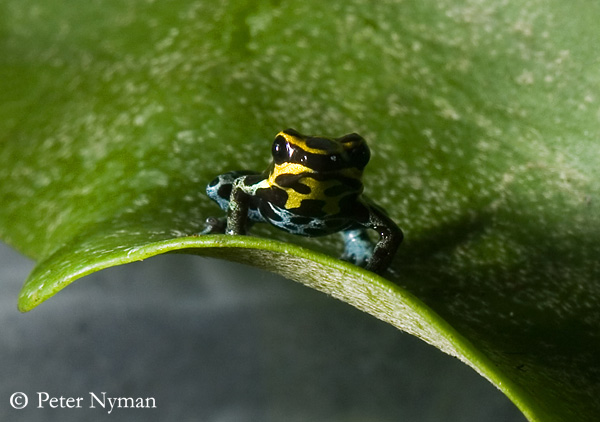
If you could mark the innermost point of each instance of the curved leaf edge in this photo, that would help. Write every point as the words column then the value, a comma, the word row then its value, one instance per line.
column 360, row 288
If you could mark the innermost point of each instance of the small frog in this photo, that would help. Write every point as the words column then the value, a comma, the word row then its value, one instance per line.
column 312, row 188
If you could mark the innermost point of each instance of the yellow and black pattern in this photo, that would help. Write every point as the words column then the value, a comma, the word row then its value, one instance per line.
column 316, row 176
column 313, row 187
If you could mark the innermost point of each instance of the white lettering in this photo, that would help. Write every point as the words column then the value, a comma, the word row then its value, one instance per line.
column 58, row 402
column 121, row 402
column 40, row 400
column 95, row 397
column 111, row 401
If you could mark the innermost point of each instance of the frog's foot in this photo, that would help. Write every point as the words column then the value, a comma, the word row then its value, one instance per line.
column 358, row 248
column 214, row 226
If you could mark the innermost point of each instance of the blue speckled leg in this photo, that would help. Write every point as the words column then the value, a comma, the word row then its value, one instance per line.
column 358, row 248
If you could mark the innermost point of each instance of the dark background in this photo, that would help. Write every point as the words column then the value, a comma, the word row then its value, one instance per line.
column 214, row 341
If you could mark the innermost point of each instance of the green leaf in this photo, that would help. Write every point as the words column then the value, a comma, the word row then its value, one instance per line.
column 483, row 118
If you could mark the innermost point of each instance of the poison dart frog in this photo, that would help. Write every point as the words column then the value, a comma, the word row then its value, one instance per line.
column 313, row 187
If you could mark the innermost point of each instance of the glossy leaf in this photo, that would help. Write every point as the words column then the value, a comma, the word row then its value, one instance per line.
column 483, row 118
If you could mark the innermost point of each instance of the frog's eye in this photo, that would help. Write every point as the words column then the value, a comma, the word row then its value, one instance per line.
column 360, row 156
column 357, row 149
column 279, row 150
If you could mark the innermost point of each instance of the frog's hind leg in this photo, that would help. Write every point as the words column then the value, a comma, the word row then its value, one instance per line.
column 214, row 225
column 219, row 189
column 358, row 247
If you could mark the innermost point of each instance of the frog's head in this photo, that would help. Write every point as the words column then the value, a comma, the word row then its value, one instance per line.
column 294, row 153
column 319, row 176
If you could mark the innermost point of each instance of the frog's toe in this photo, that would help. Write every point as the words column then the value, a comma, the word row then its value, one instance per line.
column 214, row 225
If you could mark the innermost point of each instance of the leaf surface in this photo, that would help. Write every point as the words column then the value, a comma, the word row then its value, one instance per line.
column 483, row 118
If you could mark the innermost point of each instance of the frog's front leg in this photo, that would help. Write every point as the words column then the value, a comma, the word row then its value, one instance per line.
column 390, row 238
column 219, row 190
column 237, row 213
